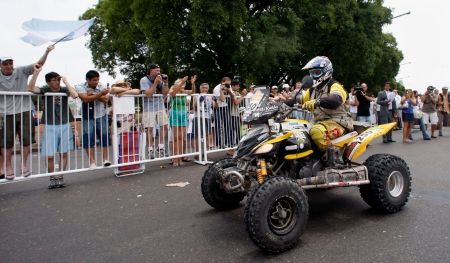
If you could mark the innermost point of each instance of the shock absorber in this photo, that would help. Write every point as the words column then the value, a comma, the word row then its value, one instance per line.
column 261, row 172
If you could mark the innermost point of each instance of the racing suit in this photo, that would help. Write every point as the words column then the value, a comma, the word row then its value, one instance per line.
column 331, row 116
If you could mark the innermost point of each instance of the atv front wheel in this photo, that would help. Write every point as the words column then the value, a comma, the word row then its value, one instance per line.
column 276, row 215
column 390, row 183
column 213, row 194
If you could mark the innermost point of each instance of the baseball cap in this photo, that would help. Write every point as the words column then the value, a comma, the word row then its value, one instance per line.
column 285, row 86
column 153, row 66
column 445, row 88
column 5, row 58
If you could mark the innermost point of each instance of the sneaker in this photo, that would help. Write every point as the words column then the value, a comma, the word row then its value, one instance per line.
column 60, row 182
column 161, row 152
column 9, row 176
column 52, row 184
column 93, row 165
column 106, row 163
column 151, row 154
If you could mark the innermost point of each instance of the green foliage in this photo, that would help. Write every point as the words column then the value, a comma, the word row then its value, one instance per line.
column 264, row 42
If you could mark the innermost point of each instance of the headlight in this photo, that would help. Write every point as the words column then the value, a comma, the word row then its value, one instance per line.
column 264, row 149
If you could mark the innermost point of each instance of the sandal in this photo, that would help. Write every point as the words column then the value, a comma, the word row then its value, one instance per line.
column 26, row 174
column 186, row 159
column 9, row 176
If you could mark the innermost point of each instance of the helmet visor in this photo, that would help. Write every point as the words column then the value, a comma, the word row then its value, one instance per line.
column 315, row 73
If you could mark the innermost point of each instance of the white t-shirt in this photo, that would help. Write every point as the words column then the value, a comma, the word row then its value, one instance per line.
column 353, row 109
column 216, row 93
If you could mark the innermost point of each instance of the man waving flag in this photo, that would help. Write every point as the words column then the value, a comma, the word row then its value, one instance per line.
column 43, row 31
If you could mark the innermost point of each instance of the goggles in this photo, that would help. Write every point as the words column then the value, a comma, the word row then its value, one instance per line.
column 315, row 73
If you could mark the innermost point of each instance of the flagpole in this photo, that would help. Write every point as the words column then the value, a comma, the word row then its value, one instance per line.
column 61, row 39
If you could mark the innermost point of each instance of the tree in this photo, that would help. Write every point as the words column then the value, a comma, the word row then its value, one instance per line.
column 265, row 42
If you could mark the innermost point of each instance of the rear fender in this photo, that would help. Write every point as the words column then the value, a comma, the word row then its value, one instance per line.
column 356, row 147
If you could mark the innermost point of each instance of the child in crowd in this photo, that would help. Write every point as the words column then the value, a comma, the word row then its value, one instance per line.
column 57, row 118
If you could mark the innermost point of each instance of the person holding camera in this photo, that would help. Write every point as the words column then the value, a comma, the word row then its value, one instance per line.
column 429, row 100
column 222, row 117
column 155, row 87
column 363, row 101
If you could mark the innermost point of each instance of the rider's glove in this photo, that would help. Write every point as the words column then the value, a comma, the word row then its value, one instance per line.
column 310, row 105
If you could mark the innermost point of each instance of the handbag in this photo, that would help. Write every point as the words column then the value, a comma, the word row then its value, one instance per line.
column 418, row 114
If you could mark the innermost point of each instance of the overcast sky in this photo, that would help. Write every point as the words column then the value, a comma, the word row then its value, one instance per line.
column 423, row 36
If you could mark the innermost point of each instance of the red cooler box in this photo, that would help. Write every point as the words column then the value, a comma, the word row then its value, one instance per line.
column 129, row 150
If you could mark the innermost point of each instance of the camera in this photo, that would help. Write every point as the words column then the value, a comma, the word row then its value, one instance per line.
column 358, row 90
column 164, row 76
column 227, row 86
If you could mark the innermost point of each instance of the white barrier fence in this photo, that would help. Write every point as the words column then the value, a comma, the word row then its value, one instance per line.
column 51, row 134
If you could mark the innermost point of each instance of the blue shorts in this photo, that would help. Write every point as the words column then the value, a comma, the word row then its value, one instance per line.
column 93, row 129
column 57, row 139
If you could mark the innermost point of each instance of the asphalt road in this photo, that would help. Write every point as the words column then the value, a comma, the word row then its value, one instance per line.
column 101, row 218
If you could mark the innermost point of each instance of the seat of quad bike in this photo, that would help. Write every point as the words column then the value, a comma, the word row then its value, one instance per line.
column 360, row 127
column 344, row 139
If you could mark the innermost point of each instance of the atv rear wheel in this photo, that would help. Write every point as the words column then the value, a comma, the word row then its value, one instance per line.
column 390, row 183
column 213, row 194
column 276, row 215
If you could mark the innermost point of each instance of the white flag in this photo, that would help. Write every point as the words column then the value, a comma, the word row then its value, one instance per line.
column 43, row 31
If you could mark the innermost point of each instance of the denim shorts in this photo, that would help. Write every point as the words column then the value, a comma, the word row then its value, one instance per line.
column 93, row 129
column 57, row 139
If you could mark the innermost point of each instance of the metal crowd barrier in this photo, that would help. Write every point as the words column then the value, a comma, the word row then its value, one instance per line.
column 135, row 130
column 43, row 135
column 223, row 124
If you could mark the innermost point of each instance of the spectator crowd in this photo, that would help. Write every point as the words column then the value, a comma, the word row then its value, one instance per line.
column 172, row 117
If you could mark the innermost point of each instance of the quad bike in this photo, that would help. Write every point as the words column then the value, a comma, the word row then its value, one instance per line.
column 276, row 161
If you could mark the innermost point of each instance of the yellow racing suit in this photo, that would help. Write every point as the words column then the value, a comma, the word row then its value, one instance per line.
column 331, row 116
